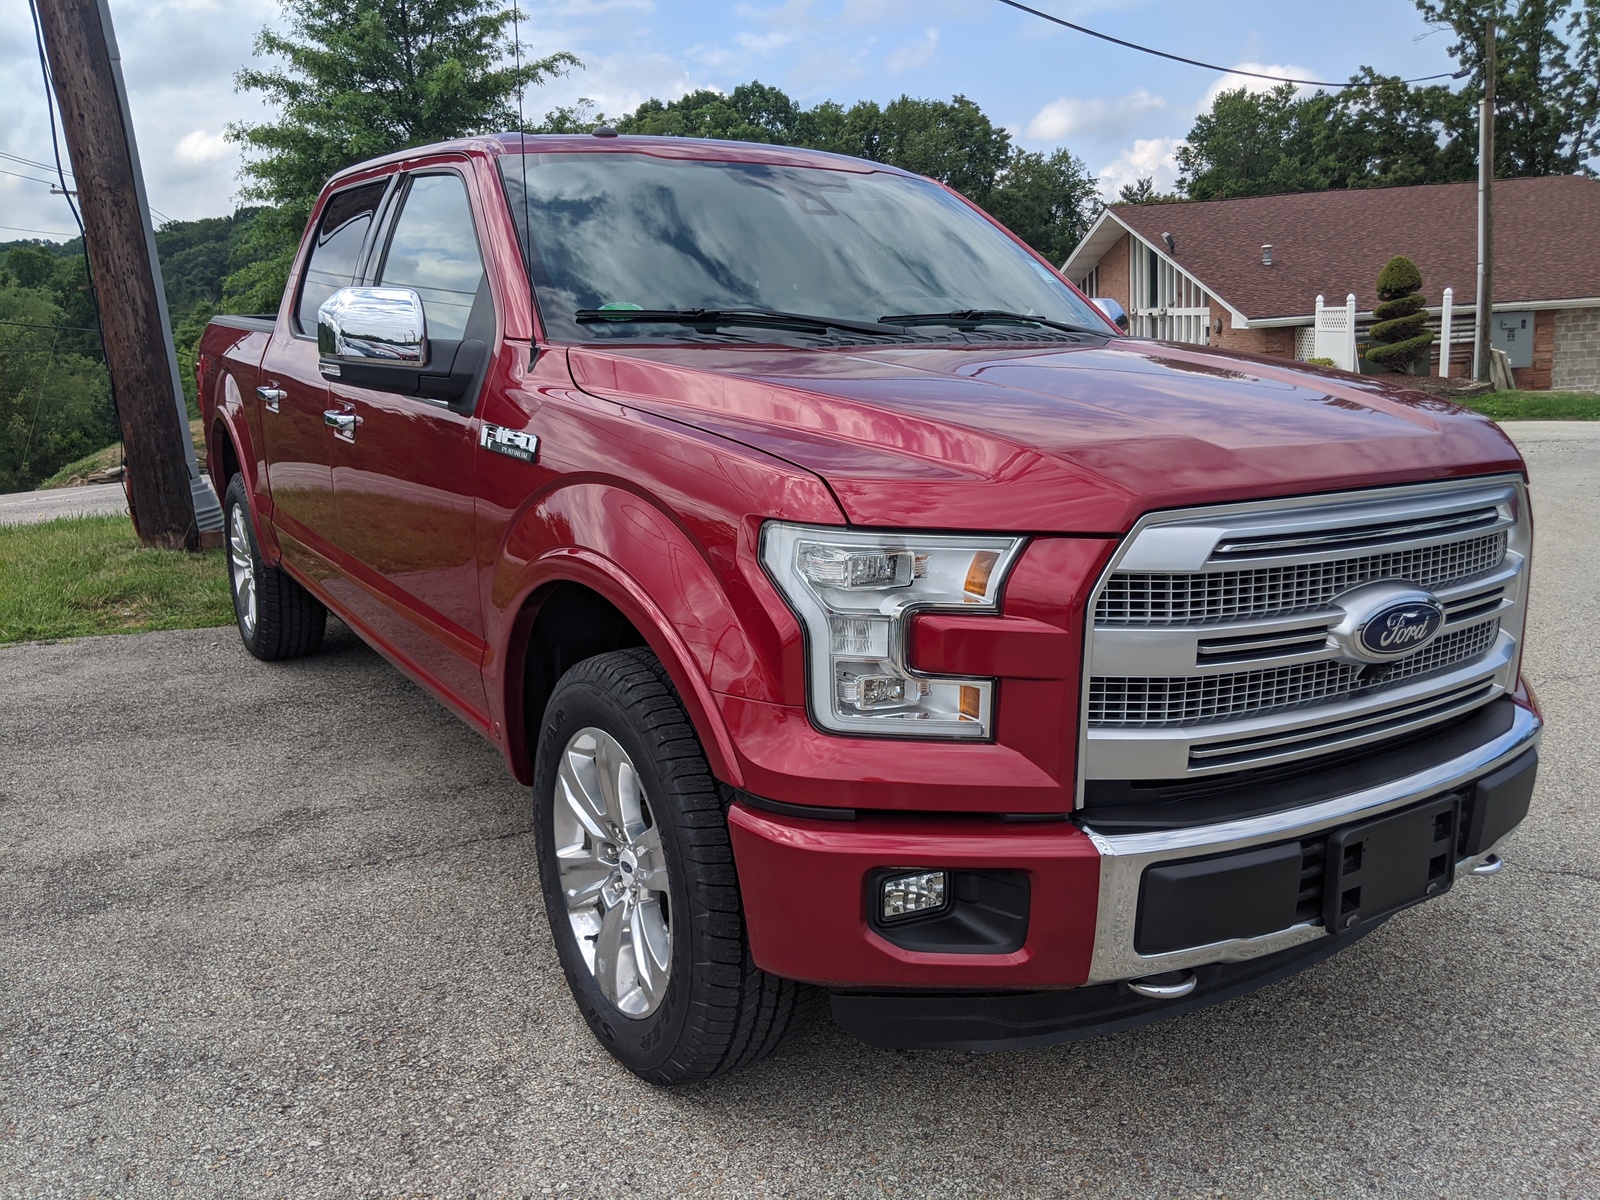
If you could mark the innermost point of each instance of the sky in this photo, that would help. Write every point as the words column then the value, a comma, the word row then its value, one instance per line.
column 1123, row 113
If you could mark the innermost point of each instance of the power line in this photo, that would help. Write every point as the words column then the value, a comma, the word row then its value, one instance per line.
column 36, row 325
column 1194, row 62
column 29, row 162
column 29, row 178
column 46, row 232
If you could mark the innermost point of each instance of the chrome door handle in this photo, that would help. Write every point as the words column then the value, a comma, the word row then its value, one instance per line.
column 271, row 397
column 342, row 423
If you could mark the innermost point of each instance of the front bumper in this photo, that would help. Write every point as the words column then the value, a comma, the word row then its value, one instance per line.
column 805, row 880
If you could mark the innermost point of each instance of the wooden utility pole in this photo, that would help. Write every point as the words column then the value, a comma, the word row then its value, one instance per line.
column 165, row 487
column 1481, row 358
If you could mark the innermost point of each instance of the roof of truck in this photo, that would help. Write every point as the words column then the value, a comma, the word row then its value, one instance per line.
column 705, row 149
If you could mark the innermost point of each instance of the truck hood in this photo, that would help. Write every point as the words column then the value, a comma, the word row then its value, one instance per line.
column 1064, row 438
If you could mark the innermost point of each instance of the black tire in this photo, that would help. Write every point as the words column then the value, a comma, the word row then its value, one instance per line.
column 719, row 1011
column 288, row 620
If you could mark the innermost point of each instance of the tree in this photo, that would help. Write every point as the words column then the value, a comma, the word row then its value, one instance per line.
column 1389, row 133
column 752, row 112
column 1382, row 132
column 1048, row 201
column 1143, row 191
column 1400, row 335
column 54, row 401
column 1547, row 112
column 361, row 78
column 1257, row 144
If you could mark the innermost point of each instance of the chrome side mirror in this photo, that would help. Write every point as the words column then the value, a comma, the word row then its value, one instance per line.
column 371, row 325
column 1114, row 310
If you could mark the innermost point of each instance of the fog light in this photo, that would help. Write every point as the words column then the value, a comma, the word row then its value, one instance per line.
column 912, row 895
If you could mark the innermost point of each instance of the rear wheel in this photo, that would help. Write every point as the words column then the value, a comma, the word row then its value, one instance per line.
column 277, row 618
column 639, row 880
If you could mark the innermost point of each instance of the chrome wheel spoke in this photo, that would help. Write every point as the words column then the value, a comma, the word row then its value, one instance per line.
column 583, row 879
column 581, row 794
column 608, row 952
column 608, row 757
column 630, row 800
column 652, row 869
column 652, row 946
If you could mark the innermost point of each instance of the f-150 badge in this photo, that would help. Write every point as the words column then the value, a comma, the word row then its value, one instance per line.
column 509, row 442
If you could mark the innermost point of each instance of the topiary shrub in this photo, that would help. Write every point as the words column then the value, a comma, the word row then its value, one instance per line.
column 1320, row 362
column 1400, row 337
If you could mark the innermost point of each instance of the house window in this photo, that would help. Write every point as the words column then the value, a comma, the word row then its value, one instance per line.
column 1166, row 303
column 1091, row 282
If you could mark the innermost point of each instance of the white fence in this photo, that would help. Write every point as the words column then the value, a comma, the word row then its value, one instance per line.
column 1336, row 333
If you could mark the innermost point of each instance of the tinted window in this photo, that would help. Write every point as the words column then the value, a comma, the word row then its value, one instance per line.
column 636, row 230
column 435, row 251
column 335, row 253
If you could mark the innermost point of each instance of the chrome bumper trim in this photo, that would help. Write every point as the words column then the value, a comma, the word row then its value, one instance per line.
column 1124, row 857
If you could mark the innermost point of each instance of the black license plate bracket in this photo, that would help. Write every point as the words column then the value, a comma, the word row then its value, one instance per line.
column 1389, row 863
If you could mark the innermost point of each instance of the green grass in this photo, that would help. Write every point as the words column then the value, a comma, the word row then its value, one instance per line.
column 88, row 575
column 1538, row 406
column 109, row 456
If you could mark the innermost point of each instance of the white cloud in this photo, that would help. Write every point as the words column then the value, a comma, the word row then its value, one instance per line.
column 765, row 44
column 1070, row 117
column 1153, row 158
column 915, row 54
column 1232, row 83
column 202, row 146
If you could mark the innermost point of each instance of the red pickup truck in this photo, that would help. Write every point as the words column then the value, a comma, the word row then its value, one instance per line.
column 865, row 610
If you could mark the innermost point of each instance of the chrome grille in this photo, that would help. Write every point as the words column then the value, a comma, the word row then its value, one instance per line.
column 1222, row 636
column 1185, row 700
column 1195, row 598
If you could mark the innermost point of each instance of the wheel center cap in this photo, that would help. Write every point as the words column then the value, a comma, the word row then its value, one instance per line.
column 628, row 861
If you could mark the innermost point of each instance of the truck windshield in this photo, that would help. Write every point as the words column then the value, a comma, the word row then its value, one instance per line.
column 620, row 232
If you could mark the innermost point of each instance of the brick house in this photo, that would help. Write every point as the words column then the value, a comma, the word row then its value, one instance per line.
column 1245, row 274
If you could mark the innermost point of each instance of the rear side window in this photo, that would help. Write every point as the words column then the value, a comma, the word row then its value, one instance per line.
column 434, row 250
column 337, row 250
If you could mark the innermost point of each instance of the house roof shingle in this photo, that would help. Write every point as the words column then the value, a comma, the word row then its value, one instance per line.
column 1333, row 243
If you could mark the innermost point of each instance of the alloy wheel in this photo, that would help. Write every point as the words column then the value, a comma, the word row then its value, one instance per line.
column 242, row 565
column 613, row 874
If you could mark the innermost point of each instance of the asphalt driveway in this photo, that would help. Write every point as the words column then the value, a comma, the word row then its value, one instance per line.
column 275, row 931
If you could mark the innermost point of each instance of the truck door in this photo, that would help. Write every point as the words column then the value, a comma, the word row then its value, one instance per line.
column 292, row 397
column 404, row 485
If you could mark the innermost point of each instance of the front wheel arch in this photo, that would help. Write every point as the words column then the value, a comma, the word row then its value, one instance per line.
column 610, row 612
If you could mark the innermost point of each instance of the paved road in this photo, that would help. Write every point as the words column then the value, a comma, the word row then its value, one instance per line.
column 29, row 508
column 275, row 931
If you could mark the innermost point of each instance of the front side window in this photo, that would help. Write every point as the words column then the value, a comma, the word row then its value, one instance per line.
column 434, row 251
column 625, row 230
column 337, row 250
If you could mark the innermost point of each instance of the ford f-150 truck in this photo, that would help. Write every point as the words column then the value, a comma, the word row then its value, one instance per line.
column 866, row 611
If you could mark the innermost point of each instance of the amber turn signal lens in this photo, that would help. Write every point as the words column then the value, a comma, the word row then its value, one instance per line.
column 983, row 563
column 971, row 702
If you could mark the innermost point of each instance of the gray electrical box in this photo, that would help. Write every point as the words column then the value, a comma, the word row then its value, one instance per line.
column 1513, row 333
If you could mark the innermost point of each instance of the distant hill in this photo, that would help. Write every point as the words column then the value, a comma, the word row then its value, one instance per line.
column 195, row 257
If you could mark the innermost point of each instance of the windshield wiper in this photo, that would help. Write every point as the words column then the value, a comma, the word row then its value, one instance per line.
column 731, row 316
column 988, row 316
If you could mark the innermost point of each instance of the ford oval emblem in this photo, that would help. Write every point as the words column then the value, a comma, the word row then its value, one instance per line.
column 1401, row 628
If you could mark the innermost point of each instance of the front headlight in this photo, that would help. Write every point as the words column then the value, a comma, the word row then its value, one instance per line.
column 855, row 592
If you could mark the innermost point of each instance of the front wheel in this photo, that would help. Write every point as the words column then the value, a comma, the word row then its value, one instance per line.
column 277, row 618
column 639, row 881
